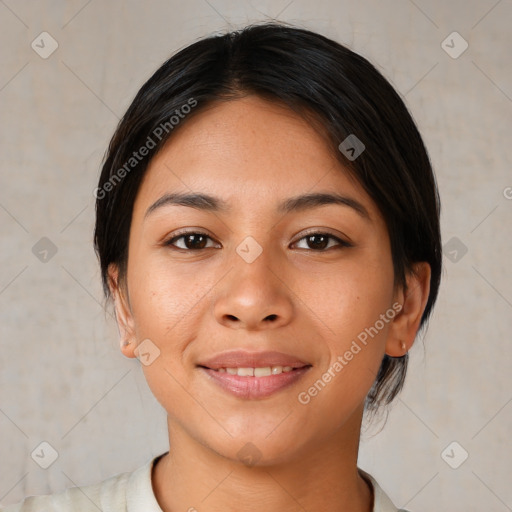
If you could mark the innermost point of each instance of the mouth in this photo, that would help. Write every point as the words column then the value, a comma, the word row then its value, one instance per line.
column 254, row 375
column 263, row 371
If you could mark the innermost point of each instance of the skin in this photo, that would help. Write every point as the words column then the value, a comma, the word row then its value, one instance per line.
column 192, row 305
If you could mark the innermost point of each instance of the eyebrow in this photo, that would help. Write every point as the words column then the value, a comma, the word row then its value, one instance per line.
column 206, row 202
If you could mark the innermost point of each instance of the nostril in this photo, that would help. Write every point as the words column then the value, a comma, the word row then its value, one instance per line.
column 271, row 317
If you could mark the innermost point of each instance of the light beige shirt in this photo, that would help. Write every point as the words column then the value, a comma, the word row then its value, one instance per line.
column 133, row 492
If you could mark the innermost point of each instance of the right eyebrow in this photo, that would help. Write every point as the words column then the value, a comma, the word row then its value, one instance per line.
column 193, row 200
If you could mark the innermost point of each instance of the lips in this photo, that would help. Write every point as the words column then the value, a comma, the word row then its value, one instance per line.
column 244, row 359
column 253, row 375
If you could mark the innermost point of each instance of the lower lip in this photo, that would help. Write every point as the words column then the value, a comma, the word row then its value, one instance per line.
column 255, row 387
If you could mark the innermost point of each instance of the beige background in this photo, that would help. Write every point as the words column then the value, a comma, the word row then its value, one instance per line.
column 62, row 377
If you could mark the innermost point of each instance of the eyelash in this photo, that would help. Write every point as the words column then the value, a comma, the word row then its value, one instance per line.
column 182, row 234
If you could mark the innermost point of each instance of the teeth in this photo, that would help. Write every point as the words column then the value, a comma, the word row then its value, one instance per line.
column 262, row 372
column 256, row 372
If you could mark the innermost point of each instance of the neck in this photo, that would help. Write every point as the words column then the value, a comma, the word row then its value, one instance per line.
column 321, row 477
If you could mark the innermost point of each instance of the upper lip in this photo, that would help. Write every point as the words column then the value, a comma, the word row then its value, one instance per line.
column 244, row 359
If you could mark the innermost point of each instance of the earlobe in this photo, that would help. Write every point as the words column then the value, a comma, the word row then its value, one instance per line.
column 413, row 299
column 124, row 317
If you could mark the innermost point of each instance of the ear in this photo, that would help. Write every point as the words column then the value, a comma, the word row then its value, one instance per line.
column 413, row 300
column 124, row 317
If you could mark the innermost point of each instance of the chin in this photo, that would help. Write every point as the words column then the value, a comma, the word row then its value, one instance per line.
column 259, row 450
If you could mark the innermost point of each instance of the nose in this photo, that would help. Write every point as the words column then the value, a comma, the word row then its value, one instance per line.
column 254, row 296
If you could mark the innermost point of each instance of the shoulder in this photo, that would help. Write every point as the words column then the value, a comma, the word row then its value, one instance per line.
column 108, row 496
column 125, row 491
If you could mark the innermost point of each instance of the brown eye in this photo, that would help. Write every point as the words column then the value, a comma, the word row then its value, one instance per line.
column 320, row 241
column 190, row 241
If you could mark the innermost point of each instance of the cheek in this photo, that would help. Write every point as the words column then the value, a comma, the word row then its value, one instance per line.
column 352, row 297
column 169, row 306
column 162, row 295
column 354, row 336
column 165, row 304
column 355, row 306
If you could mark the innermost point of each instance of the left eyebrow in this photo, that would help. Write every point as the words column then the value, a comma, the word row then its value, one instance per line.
column 308, row 201
column 303, row 202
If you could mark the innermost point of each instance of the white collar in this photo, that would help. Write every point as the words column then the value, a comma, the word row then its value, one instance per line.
column 141, row 498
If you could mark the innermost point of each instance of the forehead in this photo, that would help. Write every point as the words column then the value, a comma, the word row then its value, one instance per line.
column 248, row 151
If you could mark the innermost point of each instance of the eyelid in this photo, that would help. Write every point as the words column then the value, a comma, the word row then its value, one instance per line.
column 343, row 239
column 189, row 231
column 183, row 232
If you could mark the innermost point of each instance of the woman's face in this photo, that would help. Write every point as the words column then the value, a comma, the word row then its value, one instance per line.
column 256, row 280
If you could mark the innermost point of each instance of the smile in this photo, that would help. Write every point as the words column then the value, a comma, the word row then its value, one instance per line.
column 256, row 372
column 254, row 383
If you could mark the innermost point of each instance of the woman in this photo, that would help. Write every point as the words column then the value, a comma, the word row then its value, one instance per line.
column 268, row 229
